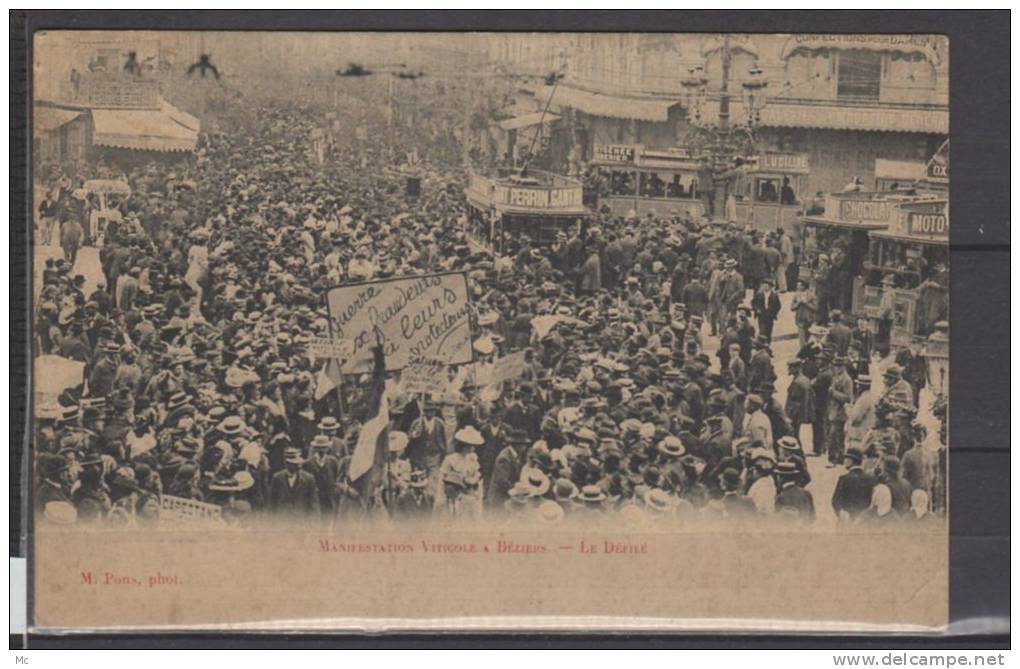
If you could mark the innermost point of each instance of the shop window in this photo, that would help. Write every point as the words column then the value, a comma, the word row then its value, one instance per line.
column 859, row 75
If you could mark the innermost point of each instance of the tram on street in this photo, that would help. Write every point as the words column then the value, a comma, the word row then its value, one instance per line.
column 635, row 180
column 914, row 250
column 768, row 192
column 840, row 233
column 505, row 205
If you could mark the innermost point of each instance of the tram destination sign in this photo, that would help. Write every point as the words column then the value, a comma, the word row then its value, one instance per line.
column 615, row 153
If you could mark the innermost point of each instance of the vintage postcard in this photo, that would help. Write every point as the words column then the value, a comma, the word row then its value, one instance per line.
column 489, row 331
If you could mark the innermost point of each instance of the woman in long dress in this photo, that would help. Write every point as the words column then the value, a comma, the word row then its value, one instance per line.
column 461, row 475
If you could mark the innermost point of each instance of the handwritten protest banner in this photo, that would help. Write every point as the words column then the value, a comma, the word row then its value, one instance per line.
column 425, row 376
column 325, row 348
column 414, row 317
column 508, row 367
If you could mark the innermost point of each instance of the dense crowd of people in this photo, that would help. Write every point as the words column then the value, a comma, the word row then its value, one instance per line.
column 649, row 389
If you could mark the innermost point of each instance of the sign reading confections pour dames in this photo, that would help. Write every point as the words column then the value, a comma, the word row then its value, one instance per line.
column 415, row 317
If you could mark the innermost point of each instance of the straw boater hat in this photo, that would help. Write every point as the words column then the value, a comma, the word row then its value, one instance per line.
column 537, row 481
column 231, row 425
column 60, row 513
column 659, row 501
column 789, row 443
column 592, row 494
column 293, row 455
column 469, row 435
column 239, row 482
column 321, row 441
column 549, row 512
column 671, row 446
column 329, row 424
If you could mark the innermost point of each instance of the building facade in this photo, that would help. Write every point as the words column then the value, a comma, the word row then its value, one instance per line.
column 844, row 100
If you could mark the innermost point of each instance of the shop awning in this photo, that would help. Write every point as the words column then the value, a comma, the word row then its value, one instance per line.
column 849, row 225
column 877, row 119
column 610, row 106
column 528, row 120
column 46, row 119
column 182, row 117
column 141, row 129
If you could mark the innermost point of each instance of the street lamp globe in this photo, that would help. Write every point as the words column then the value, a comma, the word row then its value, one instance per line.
column 754, row 95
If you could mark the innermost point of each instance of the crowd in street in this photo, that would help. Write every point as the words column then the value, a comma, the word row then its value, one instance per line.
column 649, row 390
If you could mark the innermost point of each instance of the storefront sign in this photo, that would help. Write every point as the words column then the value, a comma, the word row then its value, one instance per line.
column 938, row 170
column 414, row 318
column 615, row 153
column 929, row 225
column 783, row 162
column 863, row 210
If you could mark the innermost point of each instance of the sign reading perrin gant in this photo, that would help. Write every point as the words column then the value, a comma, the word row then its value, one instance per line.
column 538, row 197
column 415, row 318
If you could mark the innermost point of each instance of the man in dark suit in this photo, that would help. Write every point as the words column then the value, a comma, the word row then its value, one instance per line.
column 507, row 468
column 325, row 467
column 760, row 370
column 766, row 305
column 55, row 480
column 293, row 491
column 416, row 502
column 792, row 499
column 839, row 335
column 738, row 368
column 852, row 495
column 105, row 370
column 800, row 398
column 820, row 386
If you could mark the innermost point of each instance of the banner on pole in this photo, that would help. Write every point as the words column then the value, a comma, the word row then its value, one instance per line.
column 508, row 367
column 326, row 348
column 424, row 376
column 414, row 317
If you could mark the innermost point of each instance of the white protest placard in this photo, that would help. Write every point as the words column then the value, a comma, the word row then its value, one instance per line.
column 326, row 348
column 414, row 317
column 427, row 376
column 508, row 367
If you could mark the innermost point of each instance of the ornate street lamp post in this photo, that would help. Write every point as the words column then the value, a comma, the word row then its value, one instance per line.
column 717, row 139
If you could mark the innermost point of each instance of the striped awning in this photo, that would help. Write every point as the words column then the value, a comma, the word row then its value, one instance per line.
column 47, row 119
column 609, row 106
column 141, row 129
column 789, row 113
column 878, row 119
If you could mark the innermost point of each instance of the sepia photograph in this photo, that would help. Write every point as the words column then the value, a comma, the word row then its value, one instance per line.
column 476, row 330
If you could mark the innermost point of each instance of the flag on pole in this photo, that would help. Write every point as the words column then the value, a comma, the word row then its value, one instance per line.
column 328, row 378
column 368, row 462
column 368, row 439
